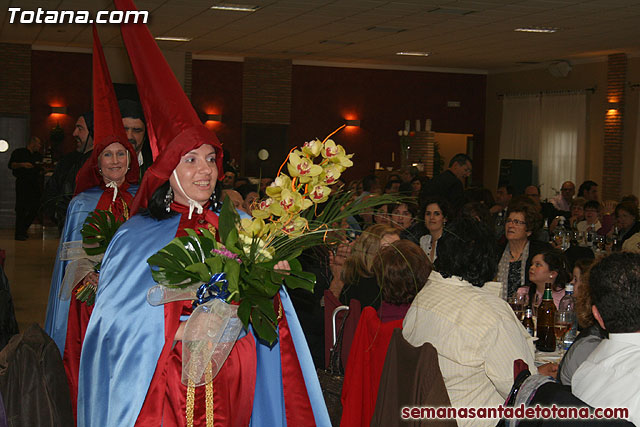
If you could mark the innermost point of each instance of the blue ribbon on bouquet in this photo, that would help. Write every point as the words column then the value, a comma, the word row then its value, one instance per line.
column 216, row 287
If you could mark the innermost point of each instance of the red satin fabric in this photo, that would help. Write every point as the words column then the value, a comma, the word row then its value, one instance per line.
column 364, row 368
column 173, row 126
column 233, row 387
column 79, row 312
column 108, row 124
column 298, row 409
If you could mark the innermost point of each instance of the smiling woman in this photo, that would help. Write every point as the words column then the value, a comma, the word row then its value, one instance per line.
column 113, row 163
column 195, row 176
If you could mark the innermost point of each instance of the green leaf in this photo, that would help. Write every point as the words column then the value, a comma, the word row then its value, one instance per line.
column 232, row 270
column 294, row 282
column 227, row 220
column 263, row 319
column 201, row 270
column 244, row 311
column 97, row 231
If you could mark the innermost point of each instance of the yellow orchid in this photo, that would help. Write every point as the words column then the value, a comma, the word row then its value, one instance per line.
column 331, row 174
column 263, row 210
column 276, row 187
column 319, row 194
column 336, row 154
column 295, row 227
column 312, row 148
column 302, row 167
column 253, row 227
column 291, row 202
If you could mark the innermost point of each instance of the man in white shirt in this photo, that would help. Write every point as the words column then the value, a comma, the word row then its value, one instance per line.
column 610, row 377
column 476, row 334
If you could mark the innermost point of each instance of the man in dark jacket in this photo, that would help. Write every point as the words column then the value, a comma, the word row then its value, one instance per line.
column 25, row 165
column 61, row 186
column 450, row 184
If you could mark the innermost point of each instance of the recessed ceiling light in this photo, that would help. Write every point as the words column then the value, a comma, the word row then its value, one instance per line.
column 174, row 39
column 337, row 42
column 537, row 29
column 235, row 7
column 386, row 29
column 451, row 11
column 413, row 53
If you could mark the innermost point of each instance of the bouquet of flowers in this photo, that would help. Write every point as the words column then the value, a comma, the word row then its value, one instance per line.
column 86, row 256
column 241, row 267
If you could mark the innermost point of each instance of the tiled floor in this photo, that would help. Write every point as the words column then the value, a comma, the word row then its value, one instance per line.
column 28, row 267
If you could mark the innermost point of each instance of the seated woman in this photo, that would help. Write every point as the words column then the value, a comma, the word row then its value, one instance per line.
column 436, row 213
column 357, row 278
column 403, row 216
column 626, row 221
column 131, row 363
column 549, row 266
column 591, row 333
column 522, row 221
column 402, row 268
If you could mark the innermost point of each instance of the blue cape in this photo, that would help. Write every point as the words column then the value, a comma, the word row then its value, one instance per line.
column 125, row 337
column 55, row 323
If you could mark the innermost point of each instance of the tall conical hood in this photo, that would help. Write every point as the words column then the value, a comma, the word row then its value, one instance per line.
column 108, row 126
column 173, row 126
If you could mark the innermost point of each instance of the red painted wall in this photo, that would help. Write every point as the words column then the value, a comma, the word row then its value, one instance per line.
column 216, row 88
column 323, row 97
column 59, row 79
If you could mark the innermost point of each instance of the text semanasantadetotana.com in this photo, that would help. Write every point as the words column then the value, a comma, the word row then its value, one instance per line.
column 519, row 412
column 41, row 16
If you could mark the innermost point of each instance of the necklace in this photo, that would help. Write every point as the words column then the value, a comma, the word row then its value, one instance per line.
column 513, row 257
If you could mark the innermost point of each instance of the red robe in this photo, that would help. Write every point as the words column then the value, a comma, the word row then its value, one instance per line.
column 79, row 312
column 364, row 368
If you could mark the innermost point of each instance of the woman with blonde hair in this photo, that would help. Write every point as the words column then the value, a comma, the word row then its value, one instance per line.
column 357, row 274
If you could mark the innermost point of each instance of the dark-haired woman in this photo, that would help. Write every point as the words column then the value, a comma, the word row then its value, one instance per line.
column 626, row 221
column 436, row 213
column 549, row 266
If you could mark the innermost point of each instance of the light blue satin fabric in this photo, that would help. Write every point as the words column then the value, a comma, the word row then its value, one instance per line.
column 125, row 334
column 125, row 337
column 55, row 323
column 268, row 403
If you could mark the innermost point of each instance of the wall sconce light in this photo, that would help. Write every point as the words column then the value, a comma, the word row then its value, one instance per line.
column 355, row 123
column 613, row 106
column 214, row 117
column 58, row 110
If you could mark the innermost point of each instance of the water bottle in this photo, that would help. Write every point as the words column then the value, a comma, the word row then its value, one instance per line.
column 568, row 303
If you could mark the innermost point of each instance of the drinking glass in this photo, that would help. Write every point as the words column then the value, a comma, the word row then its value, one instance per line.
column 518, row 301
column 563, row 321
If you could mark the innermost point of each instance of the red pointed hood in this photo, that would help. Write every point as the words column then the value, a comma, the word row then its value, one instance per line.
column 173, row 126
column 108, row 126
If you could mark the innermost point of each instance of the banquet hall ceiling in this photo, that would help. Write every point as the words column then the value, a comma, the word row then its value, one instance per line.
column 474, row 35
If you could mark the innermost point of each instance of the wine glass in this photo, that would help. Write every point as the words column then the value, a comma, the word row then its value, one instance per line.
column 563, row 321
column 518, row 301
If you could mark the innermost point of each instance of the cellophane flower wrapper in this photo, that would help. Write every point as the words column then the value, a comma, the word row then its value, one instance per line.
column 80, row 264
column 161, row 294
column 209, row 336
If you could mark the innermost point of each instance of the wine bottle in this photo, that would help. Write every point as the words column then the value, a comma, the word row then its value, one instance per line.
column 545, row 327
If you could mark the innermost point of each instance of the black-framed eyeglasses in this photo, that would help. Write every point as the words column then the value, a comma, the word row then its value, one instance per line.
column 515, row 222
